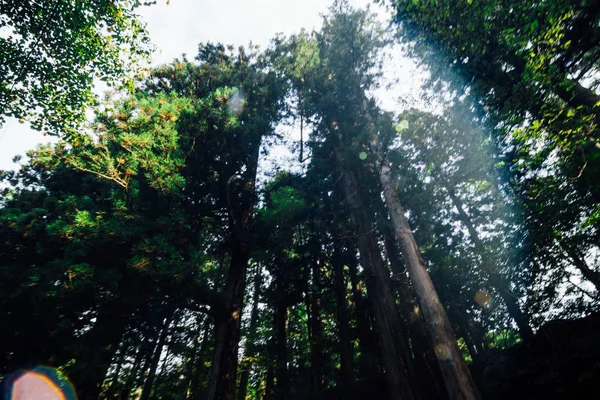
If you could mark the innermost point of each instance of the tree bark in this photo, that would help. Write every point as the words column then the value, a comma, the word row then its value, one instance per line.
column 222, row 378
column 581, row 265
column 191, row 367
column 426, row 369
column 366, row 340
column 139, row 356
column 458, row 379
column 222, row 382
column 199, row 371
column 472, row 335
column 389, row 327
column 316, row 337
column 270, row 383
column 149, row 382
column 250, row 337
column 114, row 382
column 281, row 358
column 343, row 319
column 100, row 345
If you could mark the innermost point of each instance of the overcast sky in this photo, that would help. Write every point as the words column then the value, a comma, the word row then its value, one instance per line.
column 178, row 28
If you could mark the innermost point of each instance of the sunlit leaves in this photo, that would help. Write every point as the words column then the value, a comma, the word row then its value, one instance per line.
column 52, row 52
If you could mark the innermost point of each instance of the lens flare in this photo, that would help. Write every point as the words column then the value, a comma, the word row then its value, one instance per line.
column 483, row 298
column 236, row 102
column 41, row 383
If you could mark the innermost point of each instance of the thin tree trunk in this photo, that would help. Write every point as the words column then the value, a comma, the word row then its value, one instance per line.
column 281, row 357
column 114, row 382
column 343, row 319
column 191, row 372
column 149, row 382
column 581, row 265
column 389, row 327
column 199, row 370
column 366, row 340
column 406, row 308
column 227, row 331
column 426, row 364
column 139, row 357
column 270, row 383
column 250, row 337
column 316, row 337
column 472, row 335
column 458, row 379
column 496, row 280
column 100, row 345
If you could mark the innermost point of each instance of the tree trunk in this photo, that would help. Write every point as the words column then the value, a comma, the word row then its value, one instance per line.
column 199, row 371
column 426, row 364
column 222, row 382
column 100, row 345
column 581, row 265
column 366, row 341
column 458, row 379
column 250, row 338
column 137, row 362
column 343, row 319
column 227, row 331
column 471, row 334
column 114, row 382
column 316, row 337
column 191, row 370
column 281, row 358
column 270, row 383
column 426, row 369
column 389, row 327
column 148, row 384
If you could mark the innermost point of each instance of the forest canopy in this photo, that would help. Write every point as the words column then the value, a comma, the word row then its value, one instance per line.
column 449, row 253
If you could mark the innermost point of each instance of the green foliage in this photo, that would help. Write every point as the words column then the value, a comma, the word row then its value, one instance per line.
column 530, row 71
column 53, row 50
column 503, row 339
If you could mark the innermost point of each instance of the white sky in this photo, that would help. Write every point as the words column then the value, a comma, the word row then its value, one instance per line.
column 178, row 28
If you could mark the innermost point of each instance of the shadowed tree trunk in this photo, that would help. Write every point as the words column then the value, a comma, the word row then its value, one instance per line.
column 250, row 337
column 145, row 348
column 366, row 337
column 281, row 357
column 427, row 371
column 389, row 327
column 343, row 319
column 199, row 370
column 100, row 345
column 270, row 383
column 192, row 365
column 316, row 336
column 149, row 382
column 222, row 382
column 473, row 336
column 223, row 372
column 582, row 266
column 114, row 381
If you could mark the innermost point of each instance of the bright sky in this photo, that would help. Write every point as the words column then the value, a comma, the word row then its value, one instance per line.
column 178, row 27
